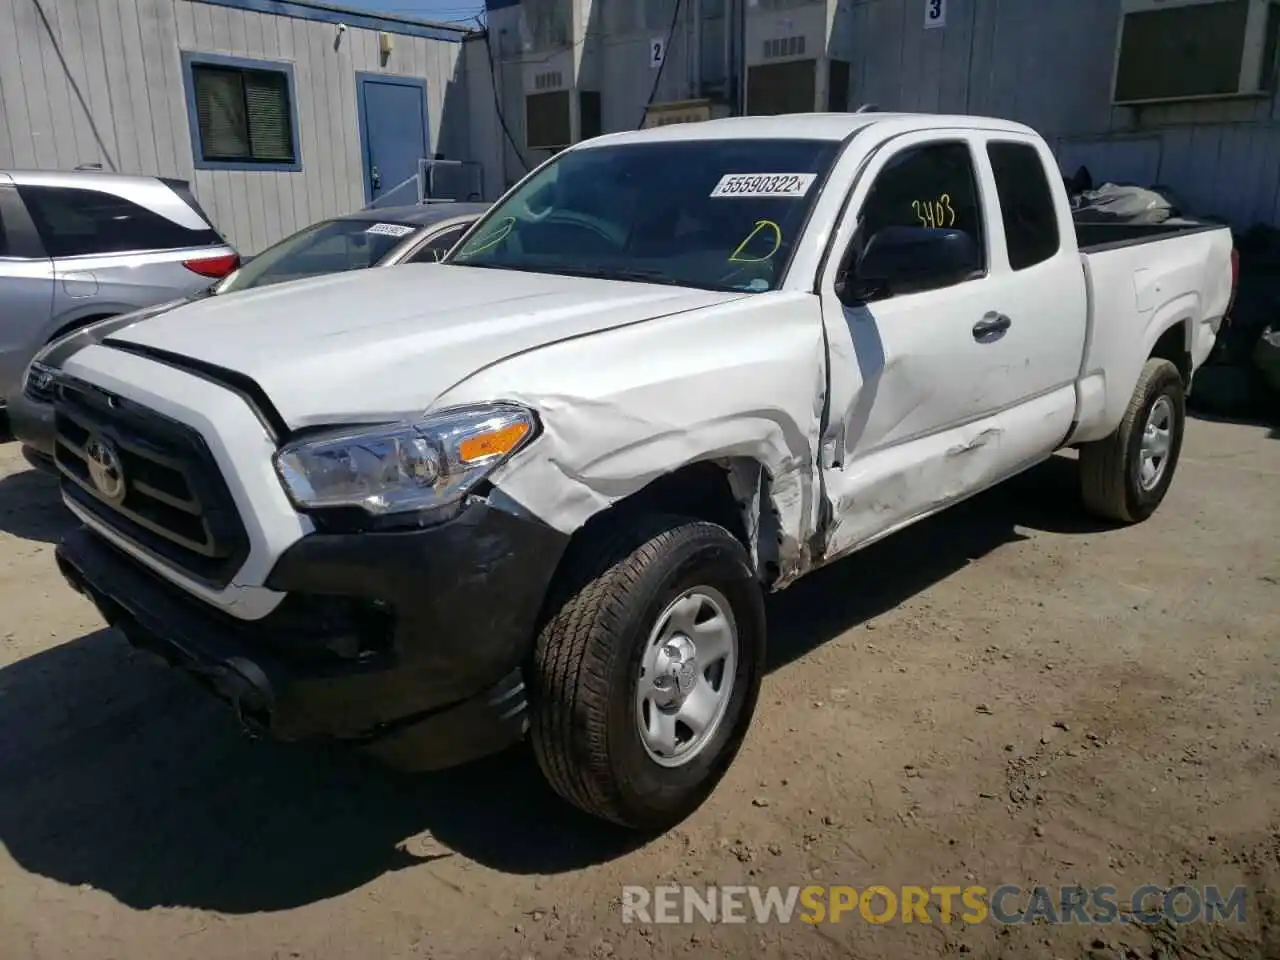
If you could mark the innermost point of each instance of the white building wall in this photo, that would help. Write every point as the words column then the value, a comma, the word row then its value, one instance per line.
column 101, row 81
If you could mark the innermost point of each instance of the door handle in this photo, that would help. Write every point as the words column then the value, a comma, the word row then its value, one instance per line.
column 991, row 327
column 375, row 177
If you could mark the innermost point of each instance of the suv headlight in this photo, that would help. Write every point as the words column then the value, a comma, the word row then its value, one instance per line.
column 408, row 466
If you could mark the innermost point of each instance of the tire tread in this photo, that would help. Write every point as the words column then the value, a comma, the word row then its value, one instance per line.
column 1103, row 467
column 569, row 729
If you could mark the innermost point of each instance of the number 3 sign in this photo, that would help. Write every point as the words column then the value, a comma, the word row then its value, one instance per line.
column 657, row 50
column 935, row 13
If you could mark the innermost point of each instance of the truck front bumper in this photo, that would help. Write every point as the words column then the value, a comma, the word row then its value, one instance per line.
column 409, row 643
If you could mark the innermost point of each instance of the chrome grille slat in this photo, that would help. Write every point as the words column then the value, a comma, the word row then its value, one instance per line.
column 174, row 502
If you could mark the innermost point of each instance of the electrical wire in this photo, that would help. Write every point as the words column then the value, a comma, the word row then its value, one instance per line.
column 666, row 48
column 497, row 102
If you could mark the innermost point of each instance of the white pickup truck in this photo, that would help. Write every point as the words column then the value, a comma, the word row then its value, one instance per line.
column 543, row 486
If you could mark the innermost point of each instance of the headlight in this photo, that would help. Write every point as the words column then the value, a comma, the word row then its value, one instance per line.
column 403, row 467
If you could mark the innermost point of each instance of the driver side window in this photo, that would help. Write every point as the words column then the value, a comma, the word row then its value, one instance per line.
column 933, row 186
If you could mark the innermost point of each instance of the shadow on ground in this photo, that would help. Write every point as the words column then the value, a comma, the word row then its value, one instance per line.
column 121, row 775
column 31, row 507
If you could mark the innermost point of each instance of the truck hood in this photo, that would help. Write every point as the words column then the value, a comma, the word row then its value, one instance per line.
column 384, row 344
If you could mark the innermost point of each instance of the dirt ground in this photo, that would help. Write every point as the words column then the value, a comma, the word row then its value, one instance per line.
column 906, row 735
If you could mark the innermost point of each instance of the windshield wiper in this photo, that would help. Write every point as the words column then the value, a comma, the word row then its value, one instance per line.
column 623, row 273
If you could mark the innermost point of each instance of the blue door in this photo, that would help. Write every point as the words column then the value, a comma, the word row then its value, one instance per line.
column 393, row 134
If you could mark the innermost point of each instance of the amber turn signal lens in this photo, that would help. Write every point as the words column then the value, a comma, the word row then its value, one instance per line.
column 492, row 443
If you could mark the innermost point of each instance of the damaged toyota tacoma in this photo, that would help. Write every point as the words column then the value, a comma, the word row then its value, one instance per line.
column 541, row 488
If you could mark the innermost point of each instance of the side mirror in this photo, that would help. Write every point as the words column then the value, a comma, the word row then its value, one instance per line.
column 899, row 260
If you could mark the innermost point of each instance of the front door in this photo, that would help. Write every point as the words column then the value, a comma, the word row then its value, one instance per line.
column 921, row 397
column 393, row 134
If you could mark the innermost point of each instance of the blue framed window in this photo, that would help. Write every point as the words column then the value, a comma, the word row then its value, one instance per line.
column 242, row 113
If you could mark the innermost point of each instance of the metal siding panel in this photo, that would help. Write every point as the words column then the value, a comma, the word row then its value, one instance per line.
column 911, row 58
column 341, row 74
column 60, row 115
column 32, row 84
column 13, row 100
column 325, row 81
column 135, row 89
column 157, row 46
column 174, row 112
column 1260, row 174
column 313, row 105
column 241, row 221
column 954, row 59
column 293, row 197
column 71, row 70
column 1269, row 203
column 97, row 80
column 184, row 23
column 220, row 21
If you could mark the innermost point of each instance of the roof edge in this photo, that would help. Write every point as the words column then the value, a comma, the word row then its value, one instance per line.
column 324, row 12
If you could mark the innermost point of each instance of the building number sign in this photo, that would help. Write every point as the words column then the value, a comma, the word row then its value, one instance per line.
column 935, row 13
column 657, row 51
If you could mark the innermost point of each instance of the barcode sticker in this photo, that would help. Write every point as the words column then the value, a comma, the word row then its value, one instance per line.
column 390, row 229
column 764, row 185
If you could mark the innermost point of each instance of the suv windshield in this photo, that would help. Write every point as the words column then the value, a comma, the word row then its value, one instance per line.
column 714, row 214
column 330, row 246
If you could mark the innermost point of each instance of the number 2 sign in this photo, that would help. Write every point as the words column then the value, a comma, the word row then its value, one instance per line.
column 657, row 51
column 935, row 13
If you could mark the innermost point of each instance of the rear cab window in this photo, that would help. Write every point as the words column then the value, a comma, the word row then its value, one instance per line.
column 75, row 221
column 1026, row 203
column 713, row 214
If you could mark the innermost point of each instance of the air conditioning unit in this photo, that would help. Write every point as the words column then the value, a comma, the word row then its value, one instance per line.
column 1177, row 50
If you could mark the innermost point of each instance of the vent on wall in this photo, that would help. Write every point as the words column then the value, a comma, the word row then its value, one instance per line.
column 551, row 80
column 546, row 120
column 1170, row 50
column 783, row 47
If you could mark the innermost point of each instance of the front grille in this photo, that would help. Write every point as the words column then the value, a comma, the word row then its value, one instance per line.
column 39, row 385
column 171, row 499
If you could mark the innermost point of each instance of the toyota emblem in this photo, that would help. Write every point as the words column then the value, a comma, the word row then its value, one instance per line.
column 105, row 469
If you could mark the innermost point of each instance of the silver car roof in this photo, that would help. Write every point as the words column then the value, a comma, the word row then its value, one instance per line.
column 154, row 193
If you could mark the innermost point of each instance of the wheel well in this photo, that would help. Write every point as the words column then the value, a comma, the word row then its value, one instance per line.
column 732, row 493
column 1172, row 346
column 76, row 324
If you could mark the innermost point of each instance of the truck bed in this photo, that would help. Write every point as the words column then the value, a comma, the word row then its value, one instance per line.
column 1143, row 279
column 1094, row 237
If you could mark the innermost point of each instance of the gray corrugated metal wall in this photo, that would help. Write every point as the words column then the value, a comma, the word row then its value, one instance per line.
column 1048, row 63
column 107, row 87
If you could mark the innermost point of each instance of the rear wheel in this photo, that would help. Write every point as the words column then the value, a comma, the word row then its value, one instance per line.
column 646, row 675
column 1125, row 476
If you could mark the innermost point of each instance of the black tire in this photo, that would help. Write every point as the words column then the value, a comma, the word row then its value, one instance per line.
column 1109, row 468
column 587, row 659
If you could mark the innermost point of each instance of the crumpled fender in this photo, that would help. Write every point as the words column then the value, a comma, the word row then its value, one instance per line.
column 739, row 383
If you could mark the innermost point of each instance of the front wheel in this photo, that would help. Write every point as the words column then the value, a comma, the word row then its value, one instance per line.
column 1125, row 476
column 646, row 675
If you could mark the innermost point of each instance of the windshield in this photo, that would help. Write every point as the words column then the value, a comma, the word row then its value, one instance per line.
column 715, row 214
column 330, row 246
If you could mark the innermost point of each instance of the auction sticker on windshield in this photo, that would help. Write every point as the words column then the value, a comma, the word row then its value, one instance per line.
column 390, row 229
column 764, row 185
